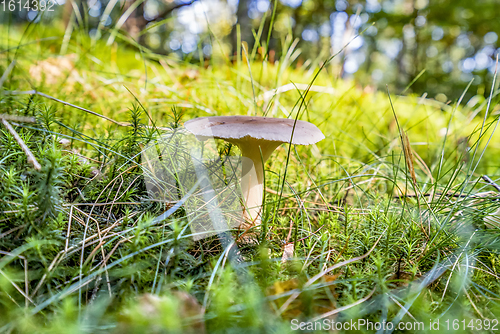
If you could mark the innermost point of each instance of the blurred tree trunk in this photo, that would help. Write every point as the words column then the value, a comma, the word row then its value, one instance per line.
column 136, row 22
column 297, row 21
column 245, row 27
column 67, row 11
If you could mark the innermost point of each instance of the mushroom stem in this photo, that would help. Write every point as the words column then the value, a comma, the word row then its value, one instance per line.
column 257, row 138
column 252, row 175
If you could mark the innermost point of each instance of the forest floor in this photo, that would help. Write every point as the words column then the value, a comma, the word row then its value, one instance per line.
column 392, row 218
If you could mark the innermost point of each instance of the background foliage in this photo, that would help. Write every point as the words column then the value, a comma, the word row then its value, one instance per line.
column 445, row 43
column 390, row 218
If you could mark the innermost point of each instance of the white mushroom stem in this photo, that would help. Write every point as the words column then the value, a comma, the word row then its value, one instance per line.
column 252, row 175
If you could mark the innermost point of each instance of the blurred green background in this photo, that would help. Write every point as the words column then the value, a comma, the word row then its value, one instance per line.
column 452, row 42
column 79, row 250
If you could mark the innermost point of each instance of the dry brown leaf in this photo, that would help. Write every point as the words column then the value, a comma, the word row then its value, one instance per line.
column 401, row 191
column 55, row 70
column 320, row 300
column 151, row 308
column 401, row 279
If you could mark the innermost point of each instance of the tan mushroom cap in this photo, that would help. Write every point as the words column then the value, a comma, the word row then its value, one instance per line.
column 257, row 138
column 263, row 128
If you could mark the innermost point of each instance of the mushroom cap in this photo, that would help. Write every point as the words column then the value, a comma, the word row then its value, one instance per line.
column 262, row 128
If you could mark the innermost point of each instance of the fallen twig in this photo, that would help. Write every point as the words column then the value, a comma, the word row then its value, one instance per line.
column 491, row 182
column 31, row 158
column 35, row 92
column 20, row 119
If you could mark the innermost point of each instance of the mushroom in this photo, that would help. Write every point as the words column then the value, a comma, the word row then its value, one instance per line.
column 254, row 135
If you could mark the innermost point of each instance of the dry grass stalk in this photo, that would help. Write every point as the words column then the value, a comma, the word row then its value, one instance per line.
column 491, row 182
column 27, row 298
column 31, row 158
column 7, row 72
column 26, row 281
column 408, row 156
column 20, row 119
column 35, row 92
column 69, row 229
